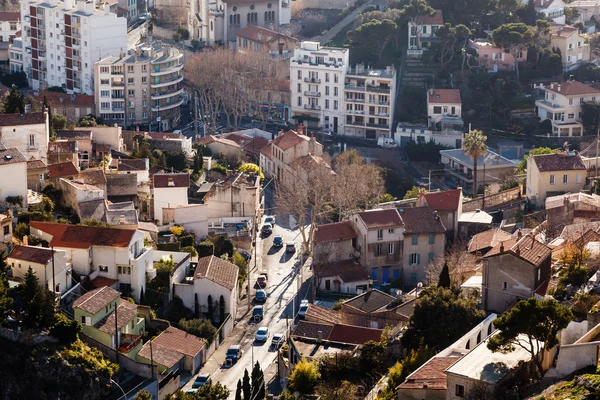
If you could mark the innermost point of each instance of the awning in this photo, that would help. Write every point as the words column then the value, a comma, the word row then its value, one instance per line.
column 306, row 118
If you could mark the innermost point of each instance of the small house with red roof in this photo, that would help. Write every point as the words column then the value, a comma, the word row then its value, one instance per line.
column 444, row 109
column 421, row 32
column 448, row 205
column 43, row 262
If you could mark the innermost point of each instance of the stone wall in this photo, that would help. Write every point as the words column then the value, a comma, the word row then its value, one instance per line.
column 298, row 5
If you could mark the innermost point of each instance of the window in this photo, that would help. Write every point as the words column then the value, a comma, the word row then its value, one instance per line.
column 131, row 92
column 299, row 100
column 552, row 179
column 430, row 256
column 414, row 259
column 578, row 179
column 459, row 391
column 326, row 90
column 327, row 104
column 105, row 93
column 431, row 238
column 390, row 230
column 103, row 268
column 380, row 234
column 335, row 78
column 299, row 88
column 391, row 248
column 299, row 74
column 571, row 116
column 6, row 229
column 335, row 91
column 415, row 239
column 335, row 104
column 424, row 29
column 130, row 68
column 504, row 285
column 31, row 141
column 378, row 249
column 374, row 273
column 539, row 274
column 83, row 320
column 130, row 81
column 437, row 110
column 124, row 270
column 570, row 102
column 326, row 76
column 565, row 179
column 327, row 284
column 104, row 70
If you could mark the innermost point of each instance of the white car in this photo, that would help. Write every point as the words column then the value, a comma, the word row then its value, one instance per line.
column 262, row 334
column 278, row 340
column 303, row 308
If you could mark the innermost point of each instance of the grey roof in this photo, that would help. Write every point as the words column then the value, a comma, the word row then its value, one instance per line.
column 94, row 209
column 74, row 135
column 124, row 205
column 121, row 184
column 490, row 159
column 370, row 301
column 11, row 156
column 113, row 217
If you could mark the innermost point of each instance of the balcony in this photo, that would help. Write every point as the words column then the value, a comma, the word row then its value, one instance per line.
column 355, row 123
column 168, row 70
column 382, row 114
column 118, row 83
column 312, row 107
column 547, row 104
column 116, row 72
column 354, row 100
column 117, row 96
column 457, row 172
column 384, row 103
column 378, row 89
column 312, row 80
column 312, row 94
column 165, row 107
column 354, row 87
column 165, row 94
column 128, row 342
column 379, row 126
column 167, row 82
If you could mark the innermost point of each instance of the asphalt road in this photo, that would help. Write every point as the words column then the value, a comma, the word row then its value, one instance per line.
column 135, row 35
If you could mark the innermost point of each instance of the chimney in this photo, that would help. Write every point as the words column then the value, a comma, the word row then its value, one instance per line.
column 501, row 247
column 518, row 251
column 27, row 108
column 280, row 48
column 519, row 233
column 25, row 240
column 106, row 9
column 558, row 88
column 319, row 336
column 122, row 220
column 431, row 92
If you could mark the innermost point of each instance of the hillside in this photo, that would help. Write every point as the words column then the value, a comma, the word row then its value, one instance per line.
column 580, row 387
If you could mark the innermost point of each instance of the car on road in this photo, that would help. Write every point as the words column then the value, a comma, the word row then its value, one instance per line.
column 290, row 247
column 200, row 381
column 303, row 308
column 262, row 334
column 278, row 241
column 261, row 281
column 270, row 220
column 278, row 340
column 261, row 296
column 191, row 391
column 247, row 256
column 267, row 229
column 257, row 313
column 234, row 353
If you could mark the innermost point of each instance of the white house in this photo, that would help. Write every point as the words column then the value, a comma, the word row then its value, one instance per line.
column 552, row 9
column 10, row 23
column 115, row 254
column 421, row 32
column 28, row 132
column 214, row 280
column 236, row 196
column 13, row 174
column 109, row 135
column 192, row 217
column 170, row 190
column 40, row 261
column 444, row 109
column 562, row 106
column 407, row 132
column 76, row 192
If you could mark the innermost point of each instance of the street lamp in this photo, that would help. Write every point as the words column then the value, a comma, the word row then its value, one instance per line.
column 119, row 386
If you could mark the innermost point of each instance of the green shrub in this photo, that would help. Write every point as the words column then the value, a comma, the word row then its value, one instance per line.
column 191, row 250
column 219, row 168
column 200, row 327
column 65, row 329
column 21, row 230
column 205, row 248
column 187, row 240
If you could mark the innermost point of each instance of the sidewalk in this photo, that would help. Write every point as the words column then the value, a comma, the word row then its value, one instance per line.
column 337, row 28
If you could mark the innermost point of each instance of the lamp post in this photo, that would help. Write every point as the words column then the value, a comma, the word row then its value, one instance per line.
column 119, row 386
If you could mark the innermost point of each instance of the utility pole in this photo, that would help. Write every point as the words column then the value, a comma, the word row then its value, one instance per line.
column 117, row 333
column 53, row 275
column 196, row 122
column 151, row 360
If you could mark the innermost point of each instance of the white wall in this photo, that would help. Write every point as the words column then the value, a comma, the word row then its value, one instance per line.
column 13, row 181
column 168, row 197
column 108, row 135
column 18, row 136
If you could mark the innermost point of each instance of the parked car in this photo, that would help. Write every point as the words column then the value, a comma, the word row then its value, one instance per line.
column 234, row 353
column 387, row 143
column 191, row 391
column 278, row 241
column 278, row 340
column 261, row 281
column 303, row 308
column 247, row 256
column 261, row 296
column 270, row 220
column 257, row 313
column 201, row 380
column 267, row 229
column 262, row 334
column 290, row 247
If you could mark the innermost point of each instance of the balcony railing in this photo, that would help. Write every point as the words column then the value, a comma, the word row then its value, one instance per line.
column 312, row 94
column 312, row 107
column 382, row 126
column 378, row 89
column 354, row 87
column 459, row 174
column 355, row 100
column 128, row 342
column 356, row 123
column 312, row 80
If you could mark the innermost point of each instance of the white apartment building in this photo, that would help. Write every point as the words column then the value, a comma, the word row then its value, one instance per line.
column 63, row 39
column 142, row 87
column 421, row 32
column 369, row 96
column 10, row 23
column 562, row 106
column 15, row 54
column 317, row 76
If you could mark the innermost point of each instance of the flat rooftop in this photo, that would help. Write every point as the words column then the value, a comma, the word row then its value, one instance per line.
column 490, row 159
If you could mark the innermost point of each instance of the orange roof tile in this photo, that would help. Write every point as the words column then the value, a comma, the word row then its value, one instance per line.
column 217, row 270
column 180, row 341
column 289, row 139
column 62, row 169
column 335, row 231
column 82, row 237
column 95, row 300
column 572, row 88
column 447, row 200
column 451, row 96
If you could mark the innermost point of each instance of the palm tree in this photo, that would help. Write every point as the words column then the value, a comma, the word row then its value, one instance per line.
column 474, row 145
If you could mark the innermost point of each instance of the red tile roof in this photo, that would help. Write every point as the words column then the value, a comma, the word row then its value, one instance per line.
column 180, row 341
column 22, row 119
column 217, row 270
column 95, row 300
column 267, row 151
column 92, row 176
column 323, row 314
column 7, row 16
column 447, row 200
column 62, row 169
column 160, row 354
column 572, row 88
column 451, row 96
column 101, row 281
column 337, row 231
column 239, row 139
column 56, row 99
column 369, row 301
column 526, row 248
column 430, row 376
column 36, row 164
column 421, row 220
column 346, row 270
column 376, row 219
column 489, row 238
column 354, row 334
column 307, row 329
column 559, row 162
column 256, row 144
column 171, row 180
column 435, row 19
column 62, row 147
column 125, row 313
column 38, row 255
column 289, row 139
column 82, row 237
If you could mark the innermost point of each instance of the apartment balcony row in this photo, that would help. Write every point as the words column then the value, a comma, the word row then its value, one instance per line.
column 355, row 123
column 168, row 70
column 165, row 94
column 168, row 82
column 354, row 100
column 357, row 112
column 378, row 126
column 312, row 94
column 312, row 80
column 169, row 106
column 312, row 107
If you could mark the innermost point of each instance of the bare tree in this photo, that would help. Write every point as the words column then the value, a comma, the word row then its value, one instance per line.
column 461, row 265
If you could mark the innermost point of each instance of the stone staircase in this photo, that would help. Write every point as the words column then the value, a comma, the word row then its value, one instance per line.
column 417, row 73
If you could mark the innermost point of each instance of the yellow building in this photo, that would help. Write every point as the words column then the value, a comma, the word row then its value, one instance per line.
column 572, row 45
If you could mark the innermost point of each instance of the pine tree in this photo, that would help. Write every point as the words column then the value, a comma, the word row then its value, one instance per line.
column 444, row 277
column 5, row 300
column 238, row 391
column 14, row 103
column 246, row 386
column 258, row 383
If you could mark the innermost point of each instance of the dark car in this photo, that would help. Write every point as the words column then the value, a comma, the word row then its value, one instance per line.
column 201, row 380
column 267, row 229
column 247, row 256
column 261, row 281
column 234, row 353
column 278, row 241
column 261, row 296
column 257, row 313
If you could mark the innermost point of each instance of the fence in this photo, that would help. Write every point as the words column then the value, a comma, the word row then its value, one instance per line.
column 224, row 330
column 493, row 200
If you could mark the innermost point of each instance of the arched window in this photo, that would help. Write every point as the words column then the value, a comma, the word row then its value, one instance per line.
column 468, row 346
column 479, row 337
column 230, row 20
column 490, row 329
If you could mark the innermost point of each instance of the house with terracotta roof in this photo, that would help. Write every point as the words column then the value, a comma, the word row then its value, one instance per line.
column 37, row 173
column 214, row 281
column 72, row 106
column 76, row 192
column 562, row 106
column 174, row 349
column 66, row 170
column 484, row 241
column 29, row 132
column 62, row 151
column 375, row 309
column 110, row 320
column 13, row 173
column 572, row 208
column 118, row 255
column 449, row 206
column 554, row 174
column 319, row 314
column 513, row 270
column 10, row 23
column 170, row 190
column 494, row 58
column 444, row 109
column 83, row 139
column 40, row 260
column 574, row 49
column 266, row 161
column 421, row 32
column 335, row 241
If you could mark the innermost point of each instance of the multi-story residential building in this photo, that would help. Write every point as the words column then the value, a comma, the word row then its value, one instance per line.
column 43, row 262
column 554, row 174
column 10, row 23
column 15, row 54
column 170, row 190
column 116, row 254
column 380, row 243
column 370, row 96
column 491, row 167
column 552, row 9
column 444, row 109
column 514, row 270
column 143, row 87
column 495, row 58
column 63, row 39
column 562, row 106
column 448, row 204
column 13, row 174
column 28, row 132
column 421, row 32
column 573, row 46
column 317, row 76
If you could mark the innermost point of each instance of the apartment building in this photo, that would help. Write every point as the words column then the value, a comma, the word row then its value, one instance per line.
column 370, row 96
column 421, row 32
column 444, row 109
column 63, row 39
column 141, row 87
column 562, row 106
column 10, row 23
column 573, row 46
column 15, row 55
column 317, row 76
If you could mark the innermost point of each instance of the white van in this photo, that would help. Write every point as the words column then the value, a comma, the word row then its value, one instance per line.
column 386, row 143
